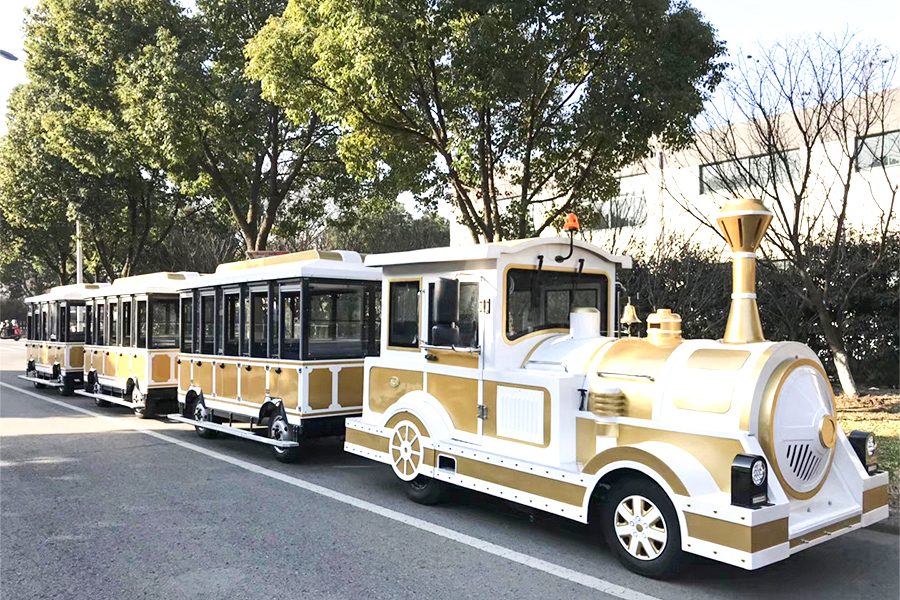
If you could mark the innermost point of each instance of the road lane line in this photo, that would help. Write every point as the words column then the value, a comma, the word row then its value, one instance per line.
column 523, row 559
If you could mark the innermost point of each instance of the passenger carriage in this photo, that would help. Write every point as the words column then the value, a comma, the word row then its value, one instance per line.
column 55, row 345
column 272, row 348
column 131, row 345
column 500, row 371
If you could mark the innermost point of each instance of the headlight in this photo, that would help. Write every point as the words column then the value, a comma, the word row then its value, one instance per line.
column 758, row 472
column 749, row 485
column 864, row 445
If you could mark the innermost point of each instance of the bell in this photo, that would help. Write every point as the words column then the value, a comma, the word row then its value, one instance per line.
column 629, row 314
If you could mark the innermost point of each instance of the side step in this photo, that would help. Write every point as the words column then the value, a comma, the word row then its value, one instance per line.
column 47, row 382
column 112, row 399
column 241, row 433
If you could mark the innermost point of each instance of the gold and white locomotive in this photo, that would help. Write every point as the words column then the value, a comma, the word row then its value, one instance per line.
column 56, row 325
column 500, row 371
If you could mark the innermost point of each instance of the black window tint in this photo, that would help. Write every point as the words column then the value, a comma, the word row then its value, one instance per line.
column 164, row 323
column 52, row 313
column 290, row 311
column 187, row 322
column 537, row 300
column 403, row 322
column 207, row 320
column 76, row 323
column 89, row 324
column 112, row 331
column 231, row 330
column 245, row 323
column 468, row 315
column 141, row 318
column 337, row 326
column 259, row 306
column 101, row 325
column 126, row 323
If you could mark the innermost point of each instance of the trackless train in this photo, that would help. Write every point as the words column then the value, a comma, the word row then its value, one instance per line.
column 499, row 368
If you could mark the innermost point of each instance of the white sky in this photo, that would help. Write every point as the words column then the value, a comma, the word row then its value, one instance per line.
column 738, row 23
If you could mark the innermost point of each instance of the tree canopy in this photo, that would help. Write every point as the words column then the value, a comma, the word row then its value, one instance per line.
column 525, row 109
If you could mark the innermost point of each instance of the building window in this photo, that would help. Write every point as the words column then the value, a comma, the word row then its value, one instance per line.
column 751, row 172
column 881, row 150
column 629, row 208
column 403, row 318
column 164, row 323
column 542, row 300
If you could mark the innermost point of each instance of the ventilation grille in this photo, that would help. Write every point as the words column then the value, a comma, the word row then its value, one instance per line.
column 520, row 414
column 804, row 462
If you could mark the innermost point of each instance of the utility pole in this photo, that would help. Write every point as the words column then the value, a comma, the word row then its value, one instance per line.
column 79, row 261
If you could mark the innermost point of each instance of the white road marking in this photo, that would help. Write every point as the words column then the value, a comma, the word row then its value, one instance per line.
column 523, row 559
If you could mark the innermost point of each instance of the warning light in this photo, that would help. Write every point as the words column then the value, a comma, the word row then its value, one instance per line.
column 571, row 223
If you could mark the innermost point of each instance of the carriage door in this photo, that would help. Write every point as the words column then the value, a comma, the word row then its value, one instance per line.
column 453, row 363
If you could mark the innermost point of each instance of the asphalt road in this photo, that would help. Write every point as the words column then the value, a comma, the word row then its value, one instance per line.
column 97, row 504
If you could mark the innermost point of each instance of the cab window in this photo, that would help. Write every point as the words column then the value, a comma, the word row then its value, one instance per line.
column 541, row 300
column 403, row 317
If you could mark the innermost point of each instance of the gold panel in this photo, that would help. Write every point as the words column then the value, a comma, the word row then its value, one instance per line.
column 489, row 427
column 184, row 375
column 715, row 454
column 367, row 440
column 585, row 440
column 405, row 416
column 350, row 386
column 711, row 399
column 203, row 375
column 109, row 363
column 813, row 535
column 635, row 357
column 718, row 360
column 320, row 388
column 560, row 491
column 161, row 368
column 123, row 364
column 76, row 357
column 450, row 358
column 875, row 498
column 253, row 384
column 227, row 381
column 285, row 385
column 382, row 394
column 45, row 354
column 459, row 396
column 733, row 535
column 139, row 367
column 641, row 457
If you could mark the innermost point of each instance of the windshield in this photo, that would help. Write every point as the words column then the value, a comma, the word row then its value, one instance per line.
column 538, row 300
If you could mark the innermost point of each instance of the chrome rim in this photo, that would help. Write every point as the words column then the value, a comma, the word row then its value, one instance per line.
column 640, row 527
column 279, row 432
column 406, row 451
column 97, row 388
column 200, row 413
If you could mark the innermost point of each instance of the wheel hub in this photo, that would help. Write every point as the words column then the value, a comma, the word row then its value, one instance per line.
column 640, row 527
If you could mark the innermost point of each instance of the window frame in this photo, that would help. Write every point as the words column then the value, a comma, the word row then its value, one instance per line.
column 878, row 164
column 185, row 343
column 151, row 303
column 390, row 312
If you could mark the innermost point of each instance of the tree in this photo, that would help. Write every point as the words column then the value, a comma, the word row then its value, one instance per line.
column 375, row 228
column 525, row 109
column 801, row 125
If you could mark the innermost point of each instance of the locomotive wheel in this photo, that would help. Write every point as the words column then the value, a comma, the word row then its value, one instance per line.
column 281, row 431
column 425, row 490
column 201, row 414
column 641, row 528
column 405, row 449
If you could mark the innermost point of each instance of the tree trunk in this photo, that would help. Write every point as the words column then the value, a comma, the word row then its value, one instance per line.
column 838, row 351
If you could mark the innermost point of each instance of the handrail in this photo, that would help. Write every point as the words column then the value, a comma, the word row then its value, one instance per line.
column 452, row 348
column 633, row 375
column 548, row 362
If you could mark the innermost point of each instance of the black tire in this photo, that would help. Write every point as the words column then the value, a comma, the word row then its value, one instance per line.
column 200, row 414
column 669, row 555
column 38, row 386
column 279, row 429
column 425, row 490
column 67, row 388
column 147, row 411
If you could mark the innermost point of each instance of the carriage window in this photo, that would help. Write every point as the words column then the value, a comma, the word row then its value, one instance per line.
column 89, row 324
column 539, row 300
column 164, row 323
column 207, row 318
column 126, row 323
column 290, row 310
column 59, row 326
column 187, row 322
column 403, row 320
column 337, row 327
column 112, row 331
column 245, row 323
column 231, row 330
column 76, row 323
column 259, row 303
column 468, row 315
column 101, row 325
column 51, row 322
column 141, row 318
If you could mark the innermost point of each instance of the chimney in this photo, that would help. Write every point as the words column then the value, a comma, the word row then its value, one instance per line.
column 744, row 223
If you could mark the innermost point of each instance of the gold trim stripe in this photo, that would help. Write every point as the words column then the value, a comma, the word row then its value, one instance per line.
column 559, row 491
column 367, row 440
column 622, row 453
column 828, row 530
column 733, row 535
column 875, row 498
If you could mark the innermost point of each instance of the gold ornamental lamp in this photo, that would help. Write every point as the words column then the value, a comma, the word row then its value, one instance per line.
column 743, row 223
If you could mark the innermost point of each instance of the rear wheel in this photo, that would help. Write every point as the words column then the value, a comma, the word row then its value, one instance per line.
column 201, row 414
column 147, row 409
column 425, row 490
column 280, row 430
column 641, row 528
column 67, row 388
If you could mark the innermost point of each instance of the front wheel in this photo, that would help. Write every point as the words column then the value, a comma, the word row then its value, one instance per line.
column 67, row 388
column 146, row 408
column 280, row 430
column 201, row 414
column 425, row 490
column 641, row 528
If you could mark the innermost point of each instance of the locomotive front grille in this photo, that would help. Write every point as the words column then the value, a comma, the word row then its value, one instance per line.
column 804, row 461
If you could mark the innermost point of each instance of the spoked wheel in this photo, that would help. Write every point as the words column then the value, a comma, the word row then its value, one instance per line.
column 406, row 450
column 641, row 528
column 280, row 430
column 96, row 388
column 201, row 414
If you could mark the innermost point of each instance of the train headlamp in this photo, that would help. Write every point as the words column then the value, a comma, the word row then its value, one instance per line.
column 749, row 481
column 863, row 443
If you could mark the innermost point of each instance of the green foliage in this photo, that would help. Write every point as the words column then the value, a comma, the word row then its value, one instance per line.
column 521, row 107
column 379, row 227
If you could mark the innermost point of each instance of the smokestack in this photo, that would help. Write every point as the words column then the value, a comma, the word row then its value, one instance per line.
column 744, row 223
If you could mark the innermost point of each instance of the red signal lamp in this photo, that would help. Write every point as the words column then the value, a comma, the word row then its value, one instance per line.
column 571, row 223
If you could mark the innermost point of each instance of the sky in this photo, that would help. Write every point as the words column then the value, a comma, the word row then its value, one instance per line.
column 740, row 24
